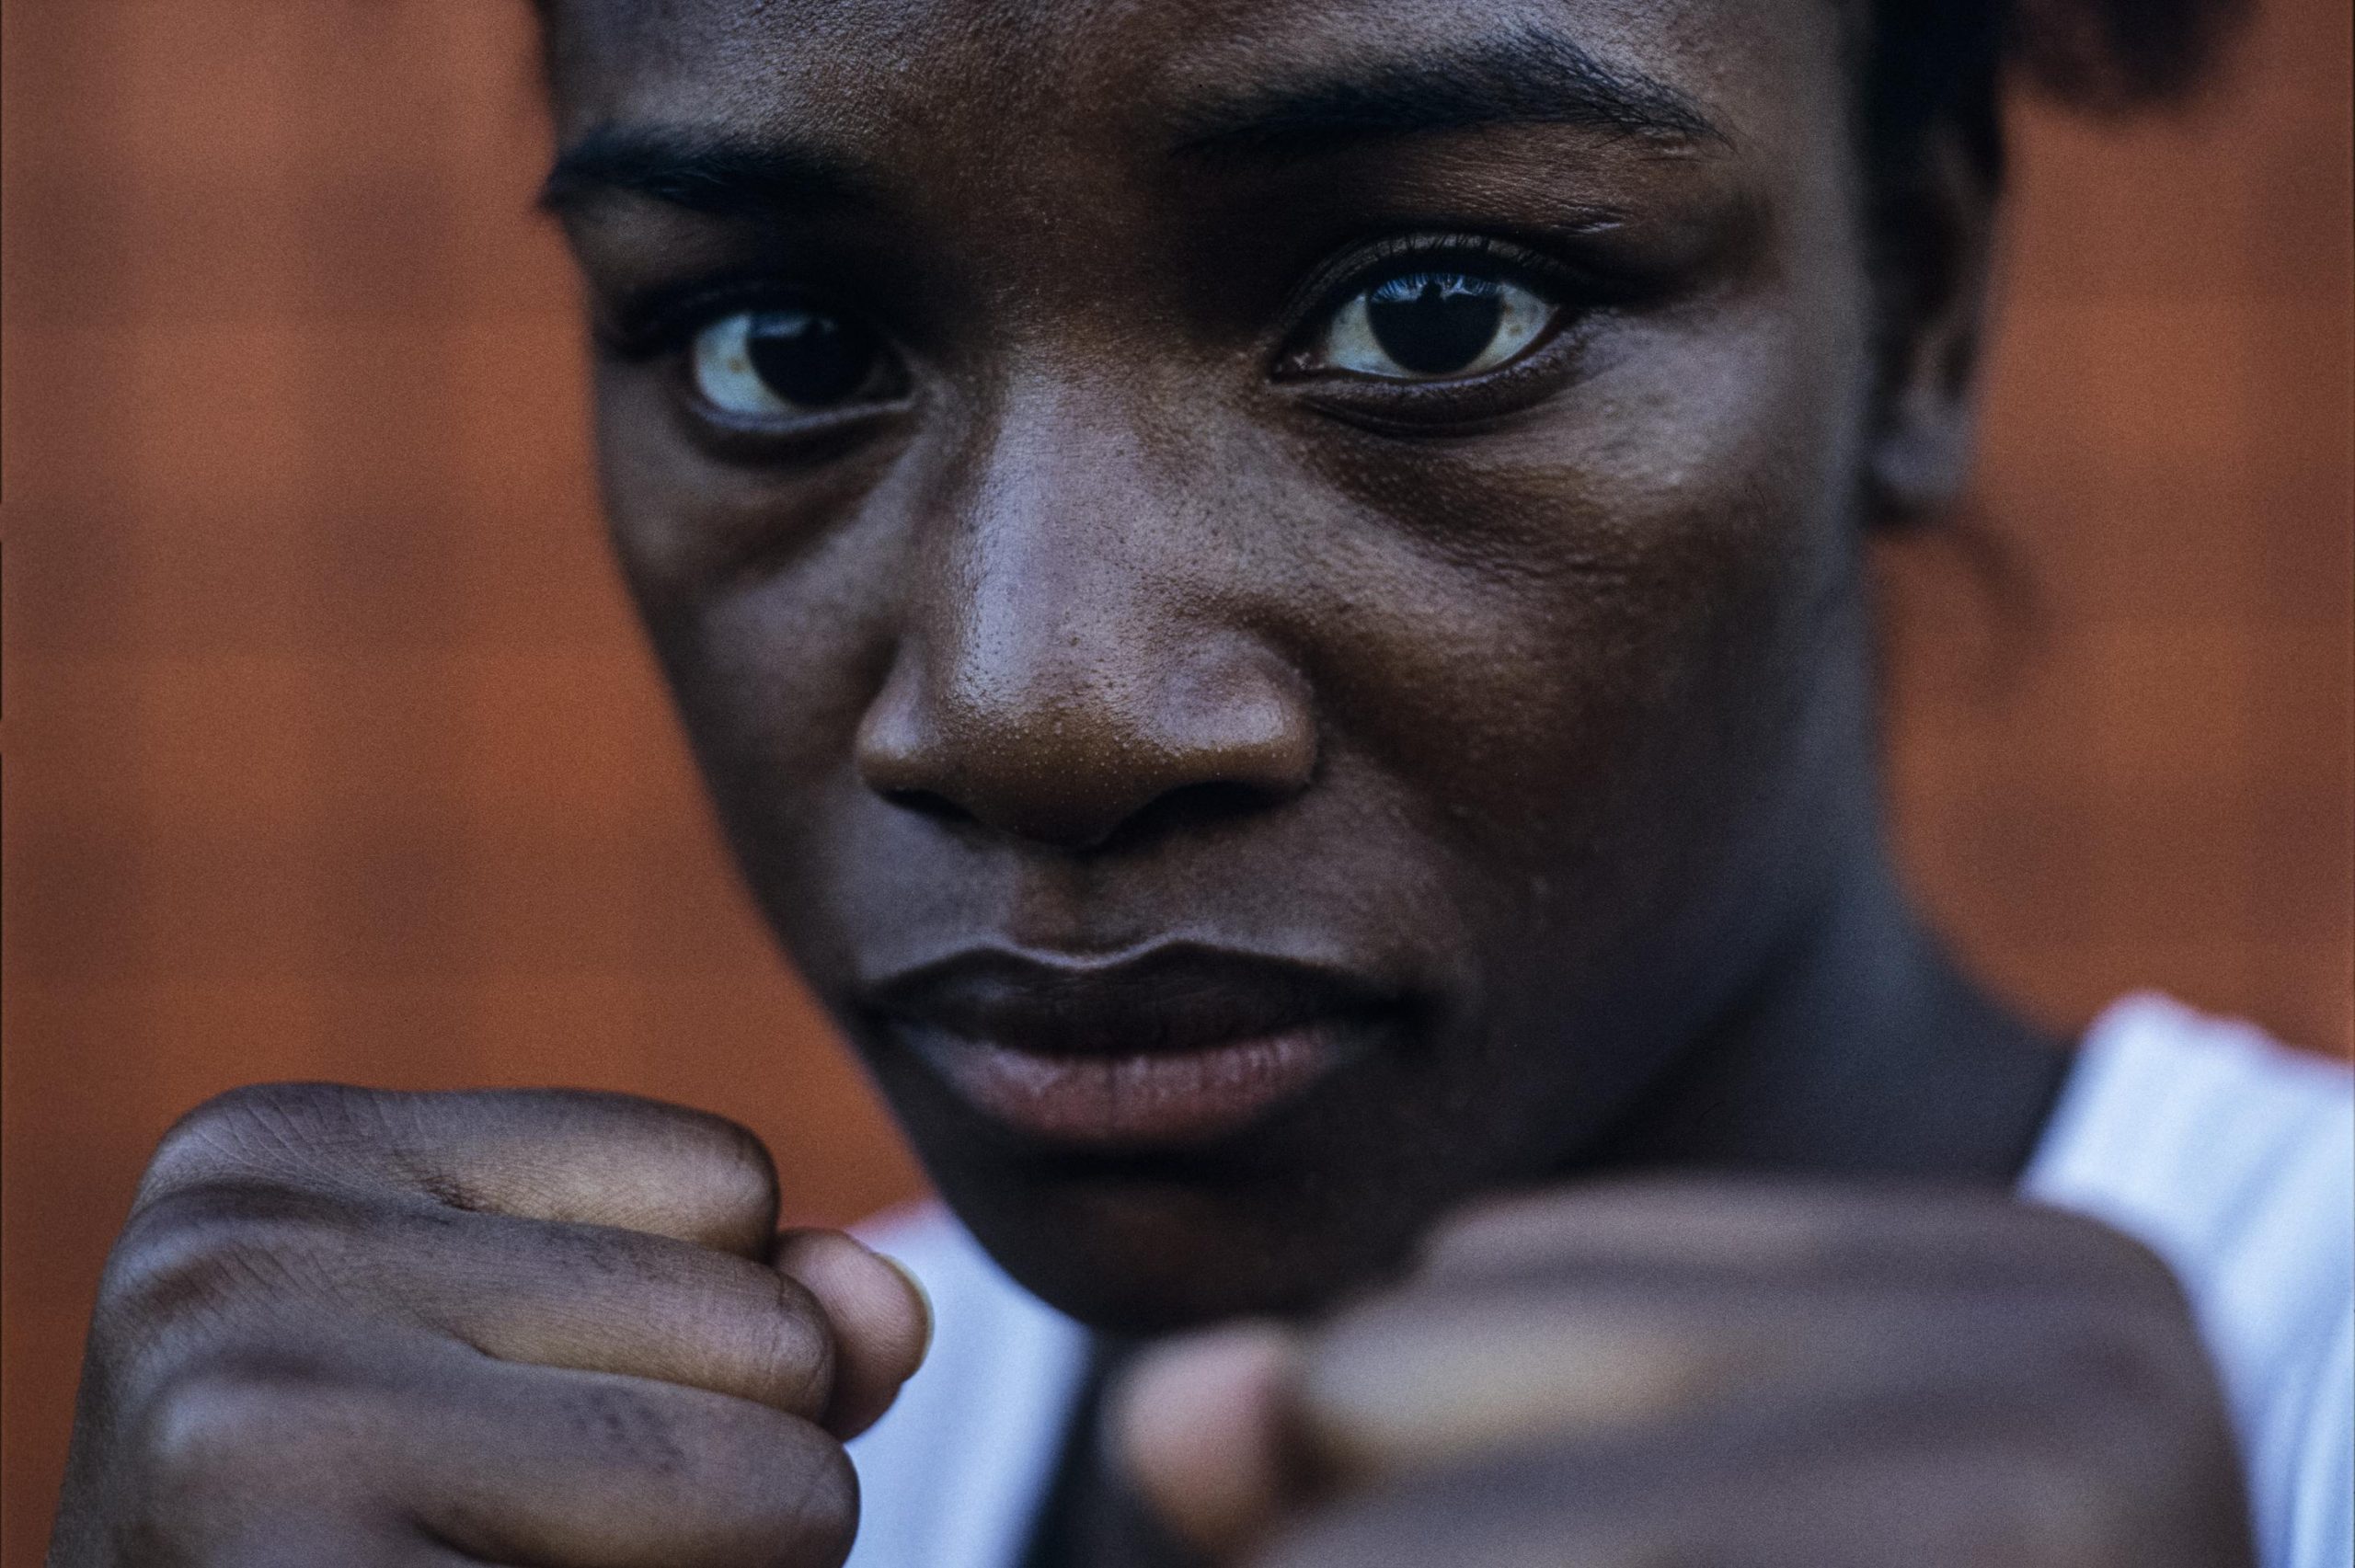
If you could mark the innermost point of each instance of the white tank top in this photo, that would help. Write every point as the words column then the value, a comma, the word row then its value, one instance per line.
column 2232, row 1158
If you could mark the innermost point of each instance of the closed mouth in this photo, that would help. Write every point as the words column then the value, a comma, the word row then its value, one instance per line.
column 1177, row 1045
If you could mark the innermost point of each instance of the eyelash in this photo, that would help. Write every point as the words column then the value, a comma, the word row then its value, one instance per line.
column 1335, row 284
column 664, row 321
column 661, row 321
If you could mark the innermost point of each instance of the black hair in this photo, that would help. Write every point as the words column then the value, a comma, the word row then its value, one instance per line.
column 1932, row 76
column 1927, row 69
column 1925, row 64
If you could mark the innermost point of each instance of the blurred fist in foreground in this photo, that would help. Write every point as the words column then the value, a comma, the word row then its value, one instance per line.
column 556, row 1328
column 1750, row 1377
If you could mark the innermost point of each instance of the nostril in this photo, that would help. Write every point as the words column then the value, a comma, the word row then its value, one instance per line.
column 927, row 803
column 1073, row 753
column 1197, row 806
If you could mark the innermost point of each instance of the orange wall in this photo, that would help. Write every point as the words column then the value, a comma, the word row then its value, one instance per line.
column 329, row 752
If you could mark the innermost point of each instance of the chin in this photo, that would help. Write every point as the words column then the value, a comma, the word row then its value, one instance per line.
column 1148, row 1250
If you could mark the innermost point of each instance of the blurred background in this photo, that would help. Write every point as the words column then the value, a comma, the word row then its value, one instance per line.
column 330, row 752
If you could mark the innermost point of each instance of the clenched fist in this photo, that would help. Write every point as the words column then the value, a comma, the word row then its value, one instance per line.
column 547, row 1328
column 1742, row 1377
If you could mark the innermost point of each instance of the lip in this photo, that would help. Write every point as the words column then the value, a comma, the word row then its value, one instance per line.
column 1179, row 1044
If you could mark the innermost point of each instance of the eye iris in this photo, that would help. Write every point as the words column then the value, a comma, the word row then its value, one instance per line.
column 809, row 357
column 1432, row 323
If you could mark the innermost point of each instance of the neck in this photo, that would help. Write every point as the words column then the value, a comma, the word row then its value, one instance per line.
column 1861, row 1051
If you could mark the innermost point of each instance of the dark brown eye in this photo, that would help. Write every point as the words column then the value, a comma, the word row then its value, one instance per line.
column 1425, row 326
column 1435, row 323
column 765, row 363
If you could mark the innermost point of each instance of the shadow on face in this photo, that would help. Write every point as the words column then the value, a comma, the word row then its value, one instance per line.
column 1267, row 592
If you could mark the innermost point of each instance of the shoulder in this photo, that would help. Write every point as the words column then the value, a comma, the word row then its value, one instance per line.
column 2233, row 1159
column 2214, row 1144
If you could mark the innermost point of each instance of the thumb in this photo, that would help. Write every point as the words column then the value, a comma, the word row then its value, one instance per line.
column 1197, row 1425
column 882, row 1318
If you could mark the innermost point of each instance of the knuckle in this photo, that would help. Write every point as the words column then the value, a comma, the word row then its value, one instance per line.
column 203, row 1430
column 617, row 1160
column 2098, row 1487
column 735, row 1165
column 2122, row 1364
column 728, row 1161
column 2160, row 1435
column 225, row 1432
column 199, row 1247
column 256, row 1130
column 2060, row 1511
column 2137, row 1361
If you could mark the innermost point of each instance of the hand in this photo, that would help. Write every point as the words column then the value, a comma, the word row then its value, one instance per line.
column 547, row 1328
column 1751, row 1376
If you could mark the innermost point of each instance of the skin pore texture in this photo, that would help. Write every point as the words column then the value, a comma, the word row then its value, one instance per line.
column 1523, row 716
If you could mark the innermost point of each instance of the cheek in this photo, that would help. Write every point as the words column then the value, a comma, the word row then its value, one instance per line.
column 1593, row 615
column 764, row 593
column 687, row 524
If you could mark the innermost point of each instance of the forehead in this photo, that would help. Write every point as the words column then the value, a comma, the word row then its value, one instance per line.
column 1102, row 69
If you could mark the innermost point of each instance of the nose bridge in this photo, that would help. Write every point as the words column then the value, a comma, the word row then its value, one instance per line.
column 1073, row 655
column 1065, row 554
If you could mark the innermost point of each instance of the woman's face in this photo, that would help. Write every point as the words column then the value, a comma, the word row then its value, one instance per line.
column 1266, row 589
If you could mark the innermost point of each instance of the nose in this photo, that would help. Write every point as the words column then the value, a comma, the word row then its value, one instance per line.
column 1075, row 658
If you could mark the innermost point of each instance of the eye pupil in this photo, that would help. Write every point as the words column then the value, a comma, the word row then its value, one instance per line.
column 808, row 357
column 1432, row 323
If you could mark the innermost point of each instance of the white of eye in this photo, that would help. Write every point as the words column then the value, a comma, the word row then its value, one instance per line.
column 725, row 378
column 1354, row 337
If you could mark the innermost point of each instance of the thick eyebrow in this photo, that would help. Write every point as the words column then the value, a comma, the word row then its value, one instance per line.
column 1528, row 76
column 726, row 175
